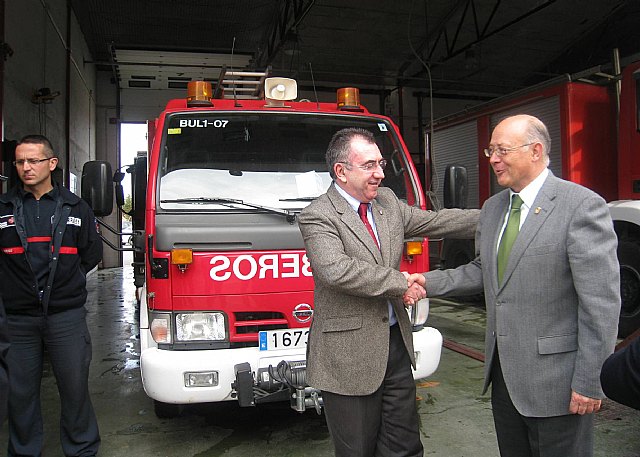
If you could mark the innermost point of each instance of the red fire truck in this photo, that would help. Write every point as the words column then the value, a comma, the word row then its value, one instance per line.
column 593, row 119
column 226, row 295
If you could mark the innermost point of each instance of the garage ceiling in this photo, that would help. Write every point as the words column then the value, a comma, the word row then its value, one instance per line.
column 470, row 48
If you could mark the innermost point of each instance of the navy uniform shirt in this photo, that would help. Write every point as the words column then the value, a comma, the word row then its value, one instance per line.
column 38, row 215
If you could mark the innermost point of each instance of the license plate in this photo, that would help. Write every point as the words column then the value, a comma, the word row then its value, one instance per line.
column 272, row 340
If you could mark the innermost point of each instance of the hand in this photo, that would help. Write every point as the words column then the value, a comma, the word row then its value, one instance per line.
column 583, row 405
column 415, row 291
column 413, row 294
column 414, row 277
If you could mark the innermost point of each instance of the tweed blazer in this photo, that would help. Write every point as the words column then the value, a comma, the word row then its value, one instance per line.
column 554, row 317
column 348, row 344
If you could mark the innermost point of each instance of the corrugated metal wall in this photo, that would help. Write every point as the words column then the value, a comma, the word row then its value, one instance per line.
column 548, row 111
column 459, row 145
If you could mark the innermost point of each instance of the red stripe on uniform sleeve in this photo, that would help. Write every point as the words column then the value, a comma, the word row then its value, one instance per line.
column 68, row 250
column 11, row 251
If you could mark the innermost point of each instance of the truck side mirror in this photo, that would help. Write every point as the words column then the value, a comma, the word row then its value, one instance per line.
column 118, row 176
column 96, row 187
column 455, row 187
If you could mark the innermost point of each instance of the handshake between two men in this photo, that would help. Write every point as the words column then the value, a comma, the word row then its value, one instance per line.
column 415, row 288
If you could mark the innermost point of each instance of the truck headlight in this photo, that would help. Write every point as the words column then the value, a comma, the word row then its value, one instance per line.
column 160, row 327
column 200, row 327
column 418, row 314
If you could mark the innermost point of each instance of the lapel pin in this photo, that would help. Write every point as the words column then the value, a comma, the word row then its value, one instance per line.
column 537, row 210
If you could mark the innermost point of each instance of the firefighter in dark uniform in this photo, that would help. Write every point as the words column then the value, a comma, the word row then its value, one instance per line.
column 48, row 243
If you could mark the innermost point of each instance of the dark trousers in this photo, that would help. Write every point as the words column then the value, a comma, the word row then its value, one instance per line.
column 520, row 436
column 384, row 423
column 67, row 341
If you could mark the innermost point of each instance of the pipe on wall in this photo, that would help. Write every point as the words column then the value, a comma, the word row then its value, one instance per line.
column 67, row 101
column 70, row 61
column 2, row 58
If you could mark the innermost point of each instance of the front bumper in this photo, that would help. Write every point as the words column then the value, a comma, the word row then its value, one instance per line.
column 163, row 371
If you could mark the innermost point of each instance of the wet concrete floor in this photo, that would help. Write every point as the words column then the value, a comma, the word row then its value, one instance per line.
column 455, row 419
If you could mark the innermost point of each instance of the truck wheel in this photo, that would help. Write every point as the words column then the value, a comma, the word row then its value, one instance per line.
column 461, row 252
column 629, row 258
column 166, row 410
column 457, row 252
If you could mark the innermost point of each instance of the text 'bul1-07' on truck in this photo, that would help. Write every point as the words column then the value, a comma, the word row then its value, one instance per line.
column 226, row 289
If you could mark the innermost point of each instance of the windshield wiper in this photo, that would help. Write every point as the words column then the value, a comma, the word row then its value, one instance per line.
column 291, row 217
column 298, row 199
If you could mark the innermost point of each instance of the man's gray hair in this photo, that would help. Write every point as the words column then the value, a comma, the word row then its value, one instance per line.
column 340, row 145
column 537, row 132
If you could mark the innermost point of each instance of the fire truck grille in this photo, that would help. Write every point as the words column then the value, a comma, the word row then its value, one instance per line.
column 248, row 323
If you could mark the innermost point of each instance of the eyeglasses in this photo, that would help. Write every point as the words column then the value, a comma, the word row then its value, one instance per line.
column 32, row 162
column 370, row 165
column 502, row 151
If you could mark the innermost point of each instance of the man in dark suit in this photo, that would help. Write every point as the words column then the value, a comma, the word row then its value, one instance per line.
column 360, row 349
column 4, row 378
column 552, row 299
column 620, row 375
column 4, row 348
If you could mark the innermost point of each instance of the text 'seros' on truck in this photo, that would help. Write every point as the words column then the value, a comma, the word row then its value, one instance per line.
column 226, row 289
column 594, row 121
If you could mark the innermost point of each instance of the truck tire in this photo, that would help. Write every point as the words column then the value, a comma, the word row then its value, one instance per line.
column 457, row 252
column 629, row 258
column 461, row 252
column 166, row 410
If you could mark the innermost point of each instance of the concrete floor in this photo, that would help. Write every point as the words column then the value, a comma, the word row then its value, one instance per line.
column 455, row 419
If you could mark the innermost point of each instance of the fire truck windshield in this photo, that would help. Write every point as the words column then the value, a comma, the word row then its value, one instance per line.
column 271, row 159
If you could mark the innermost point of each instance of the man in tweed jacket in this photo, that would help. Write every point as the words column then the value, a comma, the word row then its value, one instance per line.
column 360, row 347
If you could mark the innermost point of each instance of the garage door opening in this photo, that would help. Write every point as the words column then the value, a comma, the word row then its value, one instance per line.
column 133, row 142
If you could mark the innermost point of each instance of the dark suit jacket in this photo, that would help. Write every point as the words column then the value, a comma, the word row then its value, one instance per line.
column 620, row 375
column 354, row 281
column 4, row 378
column 555, row 316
